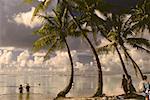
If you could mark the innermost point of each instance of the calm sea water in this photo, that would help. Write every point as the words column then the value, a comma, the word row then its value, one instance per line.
column 51, row 84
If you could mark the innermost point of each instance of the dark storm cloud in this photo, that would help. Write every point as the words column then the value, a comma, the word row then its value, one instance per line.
column 12, row 34
column 19, row 35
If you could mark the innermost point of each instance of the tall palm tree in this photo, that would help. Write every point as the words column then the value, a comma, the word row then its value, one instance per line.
column 79, row 21
column 100, row 83
column 41, row 7
column 53, row 34
column 120, row 32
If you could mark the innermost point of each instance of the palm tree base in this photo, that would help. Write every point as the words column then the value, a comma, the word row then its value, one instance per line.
column 98, row 94
column 61, row 94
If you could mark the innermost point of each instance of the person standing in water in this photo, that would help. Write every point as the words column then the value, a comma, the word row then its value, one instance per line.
column 21, row 89
column 27, row 88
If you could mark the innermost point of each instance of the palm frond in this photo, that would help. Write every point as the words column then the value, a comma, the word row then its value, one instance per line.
column 41, row 7
column 43, row 42
column 139, row 41
column 44, row 30
column 141, row 48
column 106, row 49
column 48, row 18
column 29, row 1
column 112, row 36
column 51, row 49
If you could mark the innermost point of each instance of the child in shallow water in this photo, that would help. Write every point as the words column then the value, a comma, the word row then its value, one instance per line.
column 20, row 89
column 27, row 88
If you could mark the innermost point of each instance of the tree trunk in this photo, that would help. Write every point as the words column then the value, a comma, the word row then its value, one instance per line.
column 123, row 65
column 68, row 87
column 100, row 75
column 134, row 63
column 125, row 70
column 99, row 91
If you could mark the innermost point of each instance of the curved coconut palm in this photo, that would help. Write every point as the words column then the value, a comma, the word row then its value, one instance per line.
column 116, row 30
column 41, row 6
column 80, row 18
column 53, row 33
column 74, row 17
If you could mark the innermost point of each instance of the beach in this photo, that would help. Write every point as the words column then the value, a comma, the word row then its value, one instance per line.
column 47, row 97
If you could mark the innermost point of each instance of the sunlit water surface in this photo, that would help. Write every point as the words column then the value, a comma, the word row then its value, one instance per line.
column 44, row 86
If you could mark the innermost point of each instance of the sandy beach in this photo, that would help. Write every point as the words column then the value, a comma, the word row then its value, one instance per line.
column 47, row 97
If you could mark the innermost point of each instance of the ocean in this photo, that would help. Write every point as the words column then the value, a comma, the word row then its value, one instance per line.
column 47, row 85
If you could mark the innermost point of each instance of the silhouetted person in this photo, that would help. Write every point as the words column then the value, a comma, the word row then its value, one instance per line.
column 20, row 89
column 131, row 88
column 28, row 88
column 144, row 87
column 124, row 84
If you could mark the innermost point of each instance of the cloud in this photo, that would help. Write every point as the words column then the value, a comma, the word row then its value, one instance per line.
column 59, row 61
column 25, row 19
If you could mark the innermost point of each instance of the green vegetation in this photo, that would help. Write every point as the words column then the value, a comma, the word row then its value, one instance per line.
column 121, row 27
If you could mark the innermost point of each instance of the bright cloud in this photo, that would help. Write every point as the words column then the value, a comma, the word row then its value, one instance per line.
column 25, row 19
column 60, row 61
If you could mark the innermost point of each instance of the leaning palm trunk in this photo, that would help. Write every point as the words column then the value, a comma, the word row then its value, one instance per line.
column 100, row 75
column 68, row 87
column 134, row 64
column 123, row 65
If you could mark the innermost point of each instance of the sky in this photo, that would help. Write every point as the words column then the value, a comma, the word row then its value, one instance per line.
column 16, row 40
column 15, row 26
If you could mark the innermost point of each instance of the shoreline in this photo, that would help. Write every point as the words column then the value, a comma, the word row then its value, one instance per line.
column 33, row 96
column 119, row 97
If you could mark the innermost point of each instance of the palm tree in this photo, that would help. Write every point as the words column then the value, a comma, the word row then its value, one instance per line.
column 79, row 20
column 141, row 15
column 53, row 34
column 41, row 6
column 120, row 32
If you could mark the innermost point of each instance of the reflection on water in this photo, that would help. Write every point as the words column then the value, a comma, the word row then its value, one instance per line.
column 20, row 97
column 27, row 96
column 50, row 85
